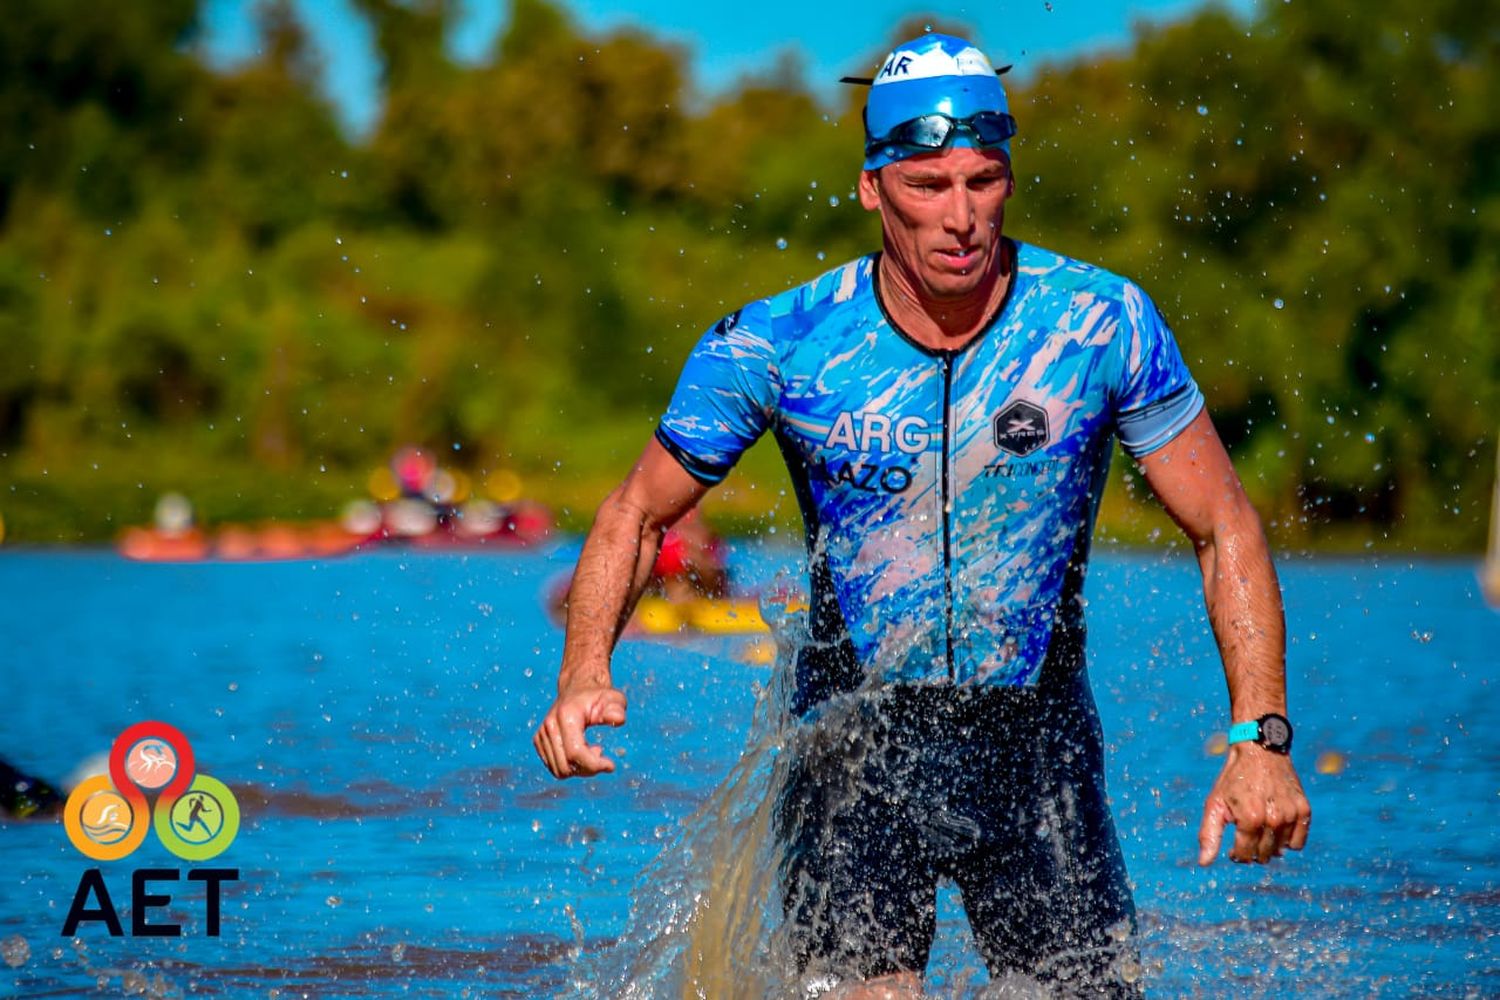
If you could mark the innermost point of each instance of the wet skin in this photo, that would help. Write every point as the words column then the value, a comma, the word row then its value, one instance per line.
column 944, row 271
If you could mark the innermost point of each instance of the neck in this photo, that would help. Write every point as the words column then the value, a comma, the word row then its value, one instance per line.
column 943, row 323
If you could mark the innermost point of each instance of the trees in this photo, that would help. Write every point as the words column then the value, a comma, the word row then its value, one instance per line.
column 201, row 277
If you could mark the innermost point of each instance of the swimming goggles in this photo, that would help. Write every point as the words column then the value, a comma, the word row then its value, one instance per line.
column 936, row 131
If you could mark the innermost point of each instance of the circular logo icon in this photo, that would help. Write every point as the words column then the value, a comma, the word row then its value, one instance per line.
column 103, row 822
column 198, row 817
column 106, row 817
column 151, row 763
column 202, row 823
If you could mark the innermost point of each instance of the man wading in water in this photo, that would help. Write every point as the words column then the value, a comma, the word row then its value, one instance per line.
column 947, row 410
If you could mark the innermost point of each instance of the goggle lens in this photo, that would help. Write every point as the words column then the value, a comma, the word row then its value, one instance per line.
column 935, row 131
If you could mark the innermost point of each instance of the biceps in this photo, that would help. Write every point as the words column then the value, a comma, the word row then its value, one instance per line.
column 660, row 487
column 1193, row 478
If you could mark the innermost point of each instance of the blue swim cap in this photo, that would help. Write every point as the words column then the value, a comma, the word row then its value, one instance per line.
column 933, row 74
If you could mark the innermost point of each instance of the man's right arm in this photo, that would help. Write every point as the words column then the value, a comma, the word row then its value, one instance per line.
column 613, row 569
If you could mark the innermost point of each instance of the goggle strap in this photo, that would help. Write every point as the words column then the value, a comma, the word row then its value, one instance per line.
column 869, row 81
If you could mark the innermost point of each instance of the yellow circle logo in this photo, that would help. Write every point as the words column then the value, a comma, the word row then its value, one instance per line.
column 105, row 817
column 104, row 823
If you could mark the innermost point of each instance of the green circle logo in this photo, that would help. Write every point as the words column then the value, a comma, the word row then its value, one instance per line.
column 202, row 823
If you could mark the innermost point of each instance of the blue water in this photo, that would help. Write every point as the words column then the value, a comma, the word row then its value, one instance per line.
column 374, row 714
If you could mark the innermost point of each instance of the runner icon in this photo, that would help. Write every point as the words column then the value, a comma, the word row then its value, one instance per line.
column 198, row 807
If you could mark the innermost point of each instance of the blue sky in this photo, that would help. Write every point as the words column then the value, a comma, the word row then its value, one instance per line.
column 727, row 41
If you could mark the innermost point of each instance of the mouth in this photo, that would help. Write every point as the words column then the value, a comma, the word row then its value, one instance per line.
column 959, row 258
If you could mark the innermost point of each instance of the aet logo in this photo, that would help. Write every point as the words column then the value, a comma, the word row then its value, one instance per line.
column 108, row 816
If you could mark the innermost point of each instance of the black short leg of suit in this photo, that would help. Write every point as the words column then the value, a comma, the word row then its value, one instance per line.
column 1000, row 790
column 859, row 894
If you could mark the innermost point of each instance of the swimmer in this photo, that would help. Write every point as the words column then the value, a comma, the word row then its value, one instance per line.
column 24, row 796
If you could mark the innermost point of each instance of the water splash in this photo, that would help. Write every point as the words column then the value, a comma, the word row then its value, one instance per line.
column 704, row 913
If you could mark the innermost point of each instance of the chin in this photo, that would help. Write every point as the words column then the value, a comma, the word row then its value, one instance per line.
column 949, row 285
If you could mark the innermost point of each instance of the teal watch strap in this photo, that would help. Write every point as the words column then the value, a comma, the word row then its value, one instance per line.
column 1245, row 732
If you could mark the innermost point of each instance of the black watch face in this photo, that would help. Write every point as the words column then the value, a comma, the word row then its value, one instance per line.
column 1275, row 732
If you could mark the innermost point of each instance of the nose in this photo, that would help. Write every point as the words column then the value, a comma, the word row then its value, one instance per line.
column 959, row 212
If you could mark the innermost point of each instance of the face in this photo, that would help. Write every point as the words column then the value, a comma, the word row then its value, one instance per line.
column 942, row 215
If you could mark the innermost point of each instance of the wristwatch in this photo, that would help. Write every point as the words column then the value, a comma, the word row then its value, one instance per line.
column 1271, row 731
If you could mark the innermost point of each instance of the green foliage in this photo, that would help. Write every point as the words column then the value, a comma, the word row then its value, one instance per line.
column 205, row 286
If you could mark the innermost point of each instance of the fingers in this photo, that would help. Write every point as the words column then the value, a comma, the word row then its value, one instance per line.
column 549, row 746
column 560, row 741
column 1269, row 844
column 1246, row 843
column 1211, row 832
column 1300, row 829
column 611, row 710
column 1259, row 793
column 1259, row 839
column 583, row 759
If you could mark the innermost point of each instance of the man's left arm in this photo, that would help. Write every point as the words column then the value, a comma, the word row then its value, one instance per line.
column 1258, row 790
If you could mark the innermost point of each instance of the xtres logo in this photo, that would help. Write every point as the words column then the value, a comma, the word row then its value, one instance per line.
column 107, row 817
column 1021, row 428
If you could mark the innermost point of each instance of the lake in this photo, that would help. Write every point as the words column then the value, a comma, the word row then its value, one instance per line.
column 373, row 717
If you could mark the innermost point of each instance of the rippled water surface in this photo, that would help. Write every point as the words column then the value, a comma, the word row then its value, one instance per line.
column 373, row 717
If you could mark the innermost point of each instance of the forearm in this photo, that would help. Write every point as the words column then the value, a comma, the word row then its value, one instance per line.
column 613, row 570
column 1245, row 610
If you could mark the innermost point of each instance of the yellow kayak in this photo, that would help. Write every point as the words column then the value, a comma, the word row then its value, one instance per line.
column 711, row 616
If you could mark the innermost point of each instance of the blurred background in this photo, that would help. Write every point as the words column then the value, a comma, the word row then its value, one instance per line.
column 249, row 250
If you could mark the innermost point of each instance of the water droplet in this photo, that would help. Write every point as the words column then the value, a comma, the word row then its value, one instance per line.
column 1279, row 304
column 781, row 243
column 15, row 950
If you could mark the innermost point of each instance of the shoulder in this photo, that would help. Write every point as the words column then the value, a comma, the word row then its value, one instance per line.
column 1070, row 276
column 847, row 285
column 765, row 326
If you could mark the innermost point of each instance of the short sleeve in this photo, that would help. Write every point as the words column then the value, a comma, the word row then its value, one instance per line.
column 1155, row 395
column 725, row 396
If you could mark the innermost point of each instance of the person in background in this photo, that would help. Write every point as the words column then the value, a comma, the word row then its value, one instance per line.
column 23, row 795
column 690, row 563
